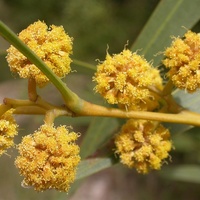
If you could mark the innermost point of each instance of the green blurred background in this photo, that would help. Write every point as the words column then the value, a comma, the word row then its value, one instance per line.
column 95, row 26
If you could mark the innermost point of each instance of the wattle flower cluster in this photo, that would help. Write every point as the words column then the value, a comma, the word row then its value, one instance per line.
column 125, row 79
column 183, row 61
column 51, row 44
column 8, row 129
column 48, row 158
column 143, row 145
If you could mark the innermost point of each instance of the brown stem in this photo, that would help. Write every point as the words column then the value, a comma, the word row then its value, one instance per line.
column 32, row 92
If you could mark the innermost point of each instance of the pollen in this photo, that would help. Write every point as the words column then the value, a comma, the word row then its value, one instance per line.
column 183, row 61
column 143, row 145
column 125, row 78
column 8, row 129
column 51, row 44
column 48, row 158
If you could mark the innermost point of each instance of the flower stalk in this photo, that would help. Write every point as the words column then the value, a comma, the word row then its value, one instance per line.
column 184, row 117
column 89, row 109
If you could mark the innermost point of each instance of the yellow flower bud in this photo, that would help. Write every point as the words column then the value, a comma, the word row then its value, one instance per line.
column 48, row 158
column 8, row 129
column 143, row 145
column 52, row 45
column 125, row 78
column 183, row 61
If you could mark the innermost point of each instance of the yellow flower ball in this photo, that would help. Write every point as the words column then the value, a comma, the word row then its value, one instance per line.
column 125, row 79
column 48, row 158
column 8, row 129
column 143, row 145
column 183, row 61
column 51, row 44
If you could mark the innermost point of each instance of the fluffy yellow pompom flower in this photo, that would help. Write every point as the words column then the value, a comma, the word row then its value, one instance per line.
column 51, row 44
column 183, row 61
column 48, row 158
column 124, row 79
column 8, row 129
column 143, row 145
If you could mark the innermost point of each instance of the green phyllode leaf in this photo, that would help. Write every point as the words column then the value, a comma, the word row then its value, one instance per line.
column 99, row 131
column 167, row 20
column 188, row 101
column 93, row 165
column 185, row 173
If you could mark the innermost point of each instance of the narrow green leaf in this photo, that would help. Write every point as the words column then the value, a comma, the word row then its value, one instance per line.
column 167, row 20
column 189, row 101
column 91, row 166
column 99, row 131
column 185, row 173
column 83, row 67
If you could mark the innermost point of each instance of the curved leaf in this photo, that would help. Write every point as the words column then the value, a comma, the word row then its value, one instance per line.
column 189, row 101
column 167, row 20
column 83, row 67
column 100, row 130
column 186, row 173
column 91, row 166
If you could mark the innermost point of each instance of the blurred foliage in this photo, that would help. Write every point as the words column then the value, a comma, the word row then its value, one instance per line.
column 93, row 24
column 97, row 26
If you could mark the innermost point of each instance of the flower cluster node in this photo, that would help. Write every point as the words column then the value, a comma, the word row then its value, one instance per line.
column 143, row 145
column 8, row 129
column 52, row 45
column 183, row 61
column 48, row 158
column 125, row 78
